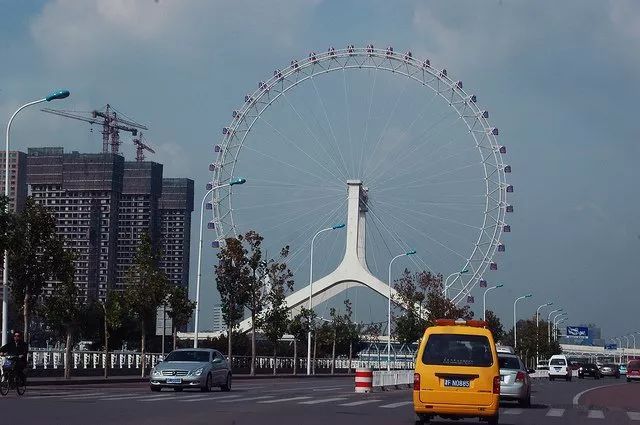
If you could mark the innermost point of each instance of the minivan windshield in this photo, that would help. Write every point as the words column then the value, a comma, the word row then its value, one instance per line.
column 187, row 356
column 457, row 350
column 558, row 362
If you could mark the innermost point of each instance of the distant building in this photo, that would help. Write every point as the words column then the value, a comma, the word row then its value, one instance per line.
column 17, row 178
column 218, row 322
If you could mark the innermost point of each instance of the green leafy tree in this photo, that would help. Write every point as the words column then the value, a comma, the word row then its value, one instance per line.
column 181, row 309
column 495, row 326
column 232, row 274
column 274, row 320
column 299, row 328
column 349, row 332
column 64, row 309
column 35, row 251
column 147, row 288
column 114, row 311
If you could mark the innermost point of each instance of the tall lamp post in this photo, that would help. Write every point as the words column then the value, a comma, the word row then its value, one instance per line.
column 389, row 307
column 337, row 226
column 204, row 198
column 555, row 333
column 619, row 341
column 553, row 323
column 515, row 319
column 446, row 281
column 537, row 328
column 484, row 299
column 60, row 94
column 627, row 347
column 549, row 324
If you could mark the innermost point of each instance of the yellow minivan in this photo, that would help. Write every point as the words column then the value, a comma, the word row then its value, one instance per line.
column 457, row 374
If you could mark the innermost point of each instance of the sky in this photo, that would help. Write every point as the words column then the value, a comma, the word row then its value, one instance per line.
column 560, row 80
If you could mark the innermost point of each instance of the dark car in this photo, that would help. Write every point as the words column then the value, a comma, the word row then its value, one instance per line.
column 610, row 369
column 589, row 369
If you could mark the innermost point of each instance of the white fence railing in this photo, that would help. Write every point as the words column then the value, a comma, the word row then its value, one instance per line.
column 91, row 360
column 383, row 378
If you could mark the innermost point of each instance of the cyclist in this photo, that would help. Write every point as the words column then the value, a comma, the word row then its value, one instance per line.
column 18, row 348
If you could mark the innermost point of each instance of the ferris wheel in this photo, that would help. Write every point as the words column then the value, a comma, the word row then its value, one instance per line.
column 428, row 159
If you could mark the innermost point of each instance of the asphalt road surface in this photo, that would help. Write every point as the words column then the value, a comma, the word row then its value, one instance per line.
column 329, row 401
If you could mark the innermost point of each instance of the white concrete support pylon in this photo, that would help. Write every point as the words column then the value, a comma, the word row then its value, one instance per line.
column 352, row 270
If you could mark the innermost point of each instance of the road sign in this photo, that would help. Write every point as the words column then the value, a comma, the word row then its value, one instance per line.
column 167, row 321
column 611, row 346
column 577, row 332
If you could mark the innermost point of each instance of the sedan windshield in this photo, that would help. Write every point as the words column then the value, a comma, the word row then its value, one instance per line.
column 509, row 362
column 188, row 356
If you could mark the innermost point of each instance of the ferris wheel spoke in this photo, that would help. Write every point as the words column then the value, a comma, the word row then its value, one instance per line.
column 348, row 123
column 314, row 136
column 366, row 125
column 320, row 178
column 292, row 143
column 260, row 206
column 427, row 184
column 326, row 116
column 471, row 226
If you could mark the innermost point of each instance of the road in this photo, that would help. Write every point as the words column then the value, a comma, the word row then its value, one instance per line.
column 304, row 401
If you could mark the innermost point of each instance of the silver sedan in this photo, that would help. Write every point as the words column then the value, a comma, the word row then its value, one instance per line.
column 515, row 383
column 191, row 368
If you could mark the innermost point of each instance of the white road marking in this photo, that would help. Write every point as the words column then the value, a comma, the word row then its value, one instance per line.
column 324, row 400
column 281, row 400
column 212, row 398
column 358, row 403
column 159, row 398
column 139, row 397
column 555, row 413
column 246, row 399
column 110, row 397
column 595, row 414
column 634, row 416
column 576, row 399
column 512, row 411
column 66, row 395
column 394, row 405
column 328, row 389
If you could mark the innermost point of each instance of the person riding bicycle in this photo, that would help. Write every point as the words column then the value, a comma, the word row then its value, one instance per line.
column 18, row 348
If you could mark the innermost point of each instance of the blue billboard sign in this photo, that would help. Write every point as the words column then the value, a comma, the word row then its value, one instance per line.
column 578, row 331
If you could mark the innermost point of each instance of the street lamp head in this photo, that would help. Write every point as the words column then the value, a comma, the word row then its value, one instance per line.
column 500, row 285
column 60, row 94
column 464, row 271
column 528, row 296
column 548, row 304
column 413, row 251
column 338, row 226
column 236, row 181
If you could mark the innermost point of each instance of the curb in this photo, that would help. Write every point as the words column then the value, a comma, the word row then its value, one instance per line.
column 137, row 379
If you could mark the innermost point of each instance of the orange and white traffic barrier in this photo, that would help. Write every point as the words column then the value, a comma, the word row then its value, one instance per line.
column 364, row 380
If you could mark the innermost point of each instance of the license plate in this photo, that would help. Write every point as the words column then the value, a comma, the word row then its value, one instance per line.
column 503, row 378
column 557, row 369
column 174, row 380
column 459, row 383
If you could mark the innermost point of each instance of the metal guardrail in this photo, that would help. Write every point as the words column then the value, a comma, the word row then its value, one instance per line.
column 383, row 378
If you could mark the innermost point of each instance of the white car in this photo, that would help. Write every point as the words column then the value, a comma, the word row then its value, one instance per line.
column 559, row 367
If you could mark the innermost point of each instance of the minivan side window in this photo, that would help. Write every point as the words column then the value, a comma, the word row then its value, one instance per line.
column 457, row 350
column 558, row 362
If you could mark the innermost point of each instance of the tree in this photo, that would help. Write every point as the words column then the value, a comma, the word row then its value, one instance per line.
column 299, row 327
column 35, row 251
column 495, row 326
column 114, row 313
column 181, row 309
column 63, row 309
column 231, row 276
column 350, row 331
column 147, row 288
column 274, row 321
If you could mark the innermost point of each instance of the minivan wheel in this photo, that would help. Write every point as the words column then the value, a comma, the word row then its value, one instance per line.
column 423, row 419
column 493, row 420
column 525, row 402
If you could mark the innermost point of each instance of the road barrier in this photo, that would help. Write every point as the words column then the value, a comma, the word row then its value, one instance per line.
column 393, row 378
column 364, row 380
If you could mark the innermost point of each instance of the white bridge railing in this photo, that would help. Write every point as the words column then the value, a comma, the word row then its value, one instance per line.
column 383, row 378
column 90, row 360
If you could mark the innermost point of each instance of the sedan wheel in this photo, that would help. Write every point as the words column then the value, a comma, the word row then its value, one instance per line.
column 208, row 385
column 227, row 385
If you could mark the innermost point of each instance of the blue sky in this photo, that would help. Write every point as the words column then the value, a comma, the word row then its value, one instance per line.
column 560, row 79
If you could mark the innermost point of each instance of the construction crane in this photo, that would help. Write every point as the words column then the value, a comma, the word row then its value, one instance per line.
column 110, row 120
column 141, row 147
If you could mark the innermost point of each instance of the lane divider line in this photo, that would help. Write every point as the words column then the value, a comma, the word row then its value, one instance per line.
column 358, row 403
column 324, row 400
column 394, row 405
column 576, row 399
column 281, row 400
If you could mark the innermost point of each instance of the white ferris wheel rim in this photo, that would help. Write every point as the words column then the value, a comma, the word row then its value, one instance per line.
column 403, row 64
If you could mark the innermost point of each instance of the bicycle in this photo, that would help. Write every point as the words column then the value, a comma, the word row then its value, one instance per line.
column 9, row 379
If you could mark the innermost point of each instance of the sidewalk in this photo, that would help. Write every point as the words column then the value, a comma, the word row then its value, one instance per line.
column 93, row 380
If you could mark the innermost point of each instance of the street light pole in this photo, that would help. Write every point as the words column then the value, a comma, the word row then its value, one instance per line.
column 446, row 285
column 484, row 300
column 204, row 198
column 537, row 329
column 627, row 347
column 337, row 226
column 553, row 325
column 555, row 333
column 61, row 94
column 549, row 324
column 515, row 322
column 389, row 308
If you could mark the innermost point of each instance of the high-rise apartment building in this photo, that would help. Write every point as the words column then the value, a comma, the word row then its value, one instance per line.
column 175, row 206
column 17, row 178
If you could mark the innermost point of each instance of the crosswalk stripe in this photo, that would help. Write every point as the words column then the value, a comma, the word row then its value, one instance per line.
column 324, row 400
column 328, row 389
column 512, row 411
column 358, row 403
column 202, row 398
column 64, row 396
column 394, row 405
column 109, row 397
column 138, row 397
column 246, row 399
column 555, row 413
column 158, row 398
column 280, row 400
column 595, row 414
column 634, row 416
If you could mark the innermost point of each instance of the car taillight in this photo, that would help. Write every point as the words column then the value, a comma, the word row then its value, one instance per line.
column 416, row 382
column 520, row 377
column 496, row 384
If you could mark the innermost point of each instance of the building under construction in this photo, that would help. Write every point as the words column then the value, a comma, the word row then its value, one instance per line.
column 103, row 205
